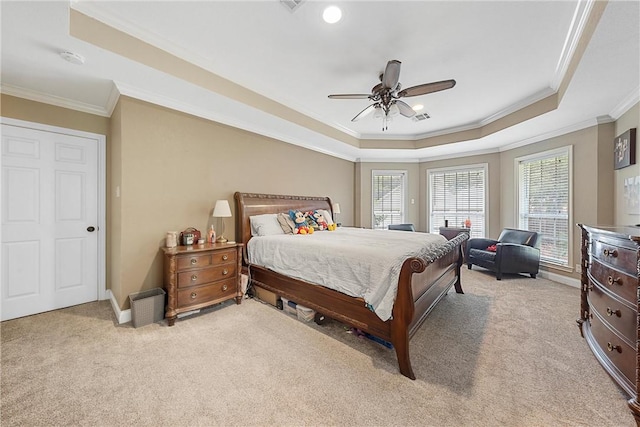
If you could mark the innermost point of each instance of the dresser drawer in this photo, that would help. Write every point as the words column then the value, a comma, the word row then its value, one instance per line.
column 614, row 348
column 193, row 261
column 207, row 293
column 621, row 258
column 206, row 275
column 220, row 257
column 620, row 316
column 615, row 281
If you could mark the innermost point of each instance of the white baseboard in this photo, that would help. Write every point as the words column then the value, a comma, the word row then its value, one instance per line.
column 565, row 280
column 123, row 316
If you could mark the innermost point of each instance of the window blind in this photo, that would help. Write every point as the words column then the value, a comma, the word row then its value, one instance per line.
column 455, row 195
column 388, row 189
column 543, row 204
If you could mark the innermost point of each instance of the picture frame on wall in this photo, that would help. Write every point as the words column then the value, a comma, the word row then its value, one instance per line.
column 624, row 147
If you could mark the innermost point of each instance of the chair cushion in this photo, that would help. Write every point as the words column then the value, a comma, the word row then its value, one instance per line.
column 482, row 254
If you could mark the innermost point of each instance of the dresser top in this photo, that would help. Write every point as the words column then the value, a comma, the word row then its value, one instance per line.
column 199, row 248
column 621, row 231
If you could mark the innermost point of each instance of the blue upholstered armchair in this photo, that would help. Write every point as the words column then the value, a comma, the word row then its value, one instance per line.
column 515, row 251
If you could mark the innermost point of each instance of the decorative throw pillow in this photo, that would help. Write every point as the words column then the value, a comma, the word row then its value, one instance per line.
column 310, row 220
column 492, row 248
column 286, row 223
column 327, row 216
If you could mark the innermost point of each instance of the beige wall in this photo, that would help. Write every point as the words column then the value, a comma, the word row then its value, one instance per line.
column 175, row 166
column 630, row 119
column 363, row 190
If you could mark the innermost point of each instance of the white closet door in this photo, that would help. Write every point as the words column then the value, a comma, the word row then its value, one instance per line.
column 49, row 221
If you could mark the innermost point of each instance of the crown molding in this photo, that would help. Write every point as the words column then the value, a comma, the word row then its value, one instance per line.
column 551, row 134
column 459, row 155
column 578, row 22
column 58, row 101
column 629, row 101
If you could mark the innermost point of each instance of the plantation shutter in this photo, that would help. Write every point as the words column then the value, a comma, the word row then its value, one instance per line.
column 544, row 203
column 457, row 195
column 388, row 190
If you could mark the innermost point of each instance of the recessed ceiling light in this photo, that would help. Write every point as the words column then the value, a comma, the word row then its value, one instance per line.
column 332, row 14
column 74, row 58
column 418, row 107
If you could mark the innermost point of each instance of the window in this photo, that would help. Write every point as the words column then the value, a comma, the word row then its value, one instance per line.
column 544, row 194
column 456, row 194
column 387, row 198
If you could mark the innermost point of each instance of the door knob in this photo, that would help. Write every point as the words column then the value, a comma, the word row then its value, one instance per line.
column 91, row 229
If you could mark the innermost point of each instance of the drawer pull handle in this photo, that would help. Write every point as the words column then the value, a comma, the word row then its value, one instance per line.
column 612, row 312
column 612, row 347
column 225, row 272
column 225, row 287
column 194, row 277
column 610, row 252
column 193, row 295
column 613, row 281
column 225, row 257
column 194, row 261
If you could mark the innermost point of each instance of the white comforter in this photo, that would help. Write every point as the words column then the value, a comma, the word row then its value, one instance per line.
column 358, row 262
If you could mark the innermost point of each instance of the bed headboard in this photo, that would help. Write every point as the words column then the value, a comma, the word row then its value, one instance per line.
column 249, row 204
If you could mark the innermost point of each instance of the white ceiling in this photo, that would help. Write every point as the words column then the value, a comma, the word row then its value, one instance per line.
column 503, row 55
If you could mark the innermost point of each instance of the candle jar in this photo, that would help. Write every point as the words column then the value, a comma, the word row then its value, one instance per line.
column 171, row 241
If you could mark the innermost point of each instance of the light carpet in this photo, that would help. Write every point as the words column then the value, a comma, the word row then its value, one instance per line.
column 506, row 353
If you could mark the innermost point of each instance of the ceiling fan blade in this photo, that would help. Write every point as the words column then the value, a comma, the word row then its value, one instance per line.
column 350, row 96
column 364, row 112
column 391, row 74
column 405, row 109
column 427, row 88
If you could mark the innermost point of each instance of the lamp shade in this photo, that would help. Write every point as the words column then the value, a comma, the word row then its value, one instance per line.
column 222, row 209
column 336, row 208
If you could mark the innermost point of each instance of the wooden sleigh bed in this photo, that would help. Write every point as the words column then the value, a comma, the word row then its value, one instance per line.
column 422, row 281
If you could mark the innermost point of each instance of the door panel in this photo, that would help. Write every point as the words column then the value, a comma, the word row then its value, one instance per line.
column 50, row 197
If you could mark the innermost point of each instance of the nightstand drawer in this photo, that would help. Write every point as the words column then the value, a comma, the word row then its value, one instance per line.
column 203, row 294
column 194, row 261
column 615, row 281
column 206, row 275
column 220, row 257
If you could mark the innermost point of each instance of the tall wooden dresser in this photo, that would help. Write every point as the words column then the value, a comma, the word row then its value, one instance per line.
column 609, row 303
column 201, row 275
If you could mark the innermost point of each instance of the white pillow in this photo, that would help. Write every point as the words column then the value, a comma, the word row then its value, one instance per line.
column 265, row 225
column 327, row 216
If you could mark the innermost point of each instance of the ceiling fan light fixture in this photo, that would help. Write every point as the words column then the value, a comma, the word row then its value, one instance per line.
column 378, row 113
column 393, row 110
column 332, row 14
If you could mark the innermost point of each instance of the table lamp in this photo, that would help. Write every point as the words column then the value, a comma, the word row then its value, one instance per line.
column 221, row 210
column 336, row 211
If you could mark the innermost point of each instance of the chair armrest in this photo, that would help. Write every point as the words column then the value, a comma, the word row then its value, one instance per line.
column 518, row 255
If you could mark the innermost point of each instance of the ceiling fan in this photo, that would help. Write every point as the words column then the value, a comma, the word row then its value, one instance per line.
column 386, row 95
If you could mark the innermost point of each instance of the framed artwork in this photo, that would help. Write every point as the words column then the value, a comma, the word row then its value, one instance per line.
column 624, row 147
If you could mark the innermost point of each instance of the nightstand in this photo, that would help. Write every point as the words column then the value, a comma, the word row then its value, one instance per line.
column 201, row 275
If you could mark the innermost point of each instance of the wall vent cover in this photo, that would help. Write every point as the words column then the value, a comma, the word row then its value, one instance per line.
column 291, row 5
column 420, row 117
